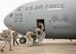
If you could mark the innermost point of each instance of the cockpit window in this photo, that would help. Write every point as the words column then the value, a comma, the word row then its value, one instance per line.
column 19, row 8
column 11, row 15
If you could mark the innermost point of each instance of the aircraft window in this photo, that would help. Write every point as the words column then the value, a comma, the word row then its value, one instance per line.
column 65, row 18
column 54, row 18
column 19, row 9
column 11, row 15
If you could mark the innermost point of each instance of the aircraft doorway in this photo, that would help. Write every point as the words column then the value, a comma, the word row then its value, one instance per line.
column 41, row 21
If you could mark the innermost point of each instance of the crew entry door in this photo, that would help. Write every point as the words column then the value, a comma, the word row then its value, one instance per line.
column 41, row 21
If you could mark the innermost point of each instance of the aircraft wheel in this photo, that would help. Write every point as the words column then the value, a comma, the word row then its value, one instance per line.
column 22, row 40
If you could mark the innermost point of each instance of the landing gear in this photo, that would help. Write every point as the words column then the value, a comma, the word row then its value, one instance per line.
column 22, row 40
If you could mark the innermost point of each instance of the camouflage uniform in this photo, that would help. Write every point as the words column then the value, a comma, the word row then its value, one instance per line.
column 38, row 34
column 15, row 36
column 29, row 38
column 6, row 34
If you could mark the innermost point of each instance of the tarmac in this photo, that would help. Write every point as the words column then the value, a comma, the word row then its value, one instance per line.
column 49, row 46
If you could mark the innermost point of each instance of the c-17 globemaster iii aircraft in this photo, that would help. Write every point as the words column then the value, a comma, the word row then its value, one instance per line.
column 58, row 17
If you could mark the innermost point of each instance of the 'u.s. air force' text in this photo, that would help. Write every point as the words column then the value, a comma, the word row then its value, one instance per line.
column 47, row 6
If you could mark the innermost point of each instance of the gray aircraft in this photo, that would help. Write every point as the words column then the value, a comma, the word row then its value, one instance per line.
column 57, row 16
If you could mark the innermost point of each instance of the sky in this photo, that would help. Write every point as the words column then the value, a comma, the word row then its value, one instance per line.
column 6, row 6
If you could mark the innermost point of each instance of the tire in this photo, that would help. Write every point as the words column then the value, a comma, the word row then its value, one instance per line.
column 22, row 40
